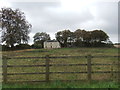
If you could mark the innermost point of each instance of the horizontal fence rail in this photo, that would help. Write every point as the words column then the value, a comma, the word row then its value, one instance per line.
column 47, row 66
column 59, row 72
column 52, row 57
column 56, row 65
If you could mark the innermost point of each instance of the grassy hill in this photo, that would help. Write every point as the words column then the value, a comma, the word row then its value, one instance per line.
column 62, row 52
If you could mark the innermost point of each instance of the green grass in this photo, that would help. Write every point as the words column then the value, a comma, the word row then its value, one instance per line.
column 62, row 52
column 59, row 84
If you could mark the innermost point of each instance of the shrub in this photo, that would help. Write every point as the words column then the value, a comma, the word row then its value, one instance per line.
column 36, row 46
column 22, row 46
column 5, row 48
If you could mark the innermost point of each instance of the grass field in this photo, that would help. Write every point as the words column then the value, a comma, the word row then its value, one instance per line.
column 59, row 84
column 62, row 52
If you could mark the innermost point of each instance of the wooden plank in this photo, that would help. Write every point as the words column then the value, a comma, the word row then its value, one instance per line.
column 61, row 72
column 47, row 68
column 112, row 74
column 105, row 72
column 104, row 64
column 26, row 81
column 26, row 58
column 25, row 73
column 81, row 80
column 4, row 70
column 55, row 65
column 68, row 64
column 77, row 64
column 13, row 81
column 26, row 65
column 45, row 65
column 66, row 72
column 49, row 57
column 105, row 56
column 89, row 67
column 55, row 57
column 43, row 73
column 119, row 71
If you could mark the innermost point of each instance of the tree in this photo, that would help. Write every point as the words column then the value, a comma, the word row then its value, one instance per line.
column 63, row 36
column 99, row 36
column 15, row 28
column 79, row 35
column 71, row 40
column 39, row 38
column 90, row 38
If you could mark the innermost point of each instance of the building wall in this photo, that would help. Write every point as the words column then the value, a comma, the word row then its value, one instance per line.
column 51, row 45
column 117, row 46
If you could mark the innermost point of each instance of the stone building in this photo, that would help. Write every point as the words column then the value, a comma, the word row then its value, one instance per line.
column 51, row 44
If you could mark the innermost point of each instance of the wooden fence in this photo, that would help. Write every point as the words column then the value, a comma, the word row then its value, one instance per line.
column 48, row 65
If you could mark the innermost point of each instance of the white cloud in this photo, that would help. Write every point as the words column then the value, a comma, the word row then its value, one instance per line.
column 4, row 4
column 53, row 15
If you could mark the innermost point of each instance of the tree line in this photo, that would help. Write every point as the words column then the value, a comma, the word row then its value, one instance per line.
column 82, row 38
column 78, row 38
column 15, row 30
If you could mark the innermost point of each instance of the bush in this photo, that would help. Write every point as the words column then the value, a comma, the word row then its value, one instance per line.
column 36, row 46
column 17, row 47
column 5, row 48
column 0, row 47
column 22, row 46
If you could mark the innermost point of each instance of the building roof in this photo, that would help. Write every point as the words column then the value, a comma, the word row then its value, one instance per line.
column 51, row 41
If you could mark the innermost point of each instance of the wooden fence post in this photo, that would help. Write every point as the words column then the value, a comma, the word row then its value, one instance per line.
column 47, row 68
column 89, row 67
column 112, row 73
column 4, row 70
column 118, row 72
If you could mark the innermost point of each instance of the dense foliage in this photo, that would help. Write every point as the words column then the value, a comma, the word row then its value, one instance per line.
column 15, row 28
column 83, row 38
column 39, row 38
column 17, row 47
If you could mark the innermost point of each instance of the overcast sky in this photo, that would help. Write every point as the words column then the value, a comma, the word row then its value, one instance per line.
column 52, row 16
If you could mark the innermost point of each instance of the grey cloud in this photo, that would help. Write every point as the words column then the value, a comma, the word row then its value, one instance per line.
column 106, row 18
column 35, row 5
column 49, row 17
column 119, row 21
column 108, row 11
